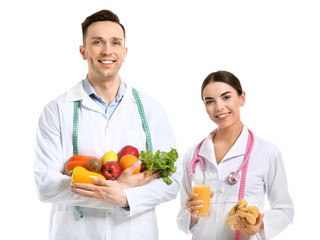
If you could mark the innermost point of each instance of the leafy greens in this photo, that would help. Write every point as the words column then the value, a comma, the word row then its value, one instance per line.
column 162, row 161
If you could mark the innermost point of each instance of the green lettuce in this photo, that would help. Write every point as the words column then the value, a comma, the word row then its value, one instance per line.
column 162, row 161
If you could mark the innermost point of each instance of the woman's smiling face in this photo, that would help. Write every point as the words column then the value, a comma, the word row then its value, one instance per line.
column 223, row 103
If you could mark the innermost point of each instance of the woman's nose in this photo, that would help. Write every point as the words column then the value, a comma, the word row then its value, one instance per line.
column 219, row 105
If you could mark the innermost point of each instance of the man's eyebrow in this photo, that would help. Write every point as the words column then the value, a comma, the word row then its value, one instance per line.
column 118, row 38
column 97, row 38
column 113, row 38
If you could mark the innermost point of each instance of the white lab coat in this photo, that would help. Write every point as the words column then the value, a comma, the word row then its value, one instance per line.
column 98, row 135
column 265, row 174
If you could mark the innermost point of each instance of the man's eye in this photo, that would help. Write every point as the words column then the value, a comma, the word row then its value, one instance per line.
column 116, row 43
column 97, row 42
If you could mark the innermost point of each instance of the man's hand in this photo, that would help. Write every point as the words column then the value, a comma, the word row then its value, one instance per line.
column 128, row 180
column 104, row 190
column 111, row 192
column 247, row 229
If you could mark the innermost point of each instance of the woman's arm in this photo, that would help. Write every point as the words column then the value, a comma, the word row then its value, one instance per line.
column 282, row 212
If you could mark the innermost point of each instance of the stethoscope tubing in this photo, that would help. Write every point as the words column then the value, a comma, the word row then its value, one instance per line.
column 233, row 177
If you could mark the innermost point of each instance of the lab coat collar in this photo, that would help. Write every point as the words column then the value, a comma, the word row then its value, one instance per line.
column 77, row 93
column 239, row 148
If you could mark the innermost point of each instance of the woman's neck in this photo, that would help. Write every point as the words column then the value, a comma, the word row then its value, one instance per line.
column 229, row 134
column 224, row 139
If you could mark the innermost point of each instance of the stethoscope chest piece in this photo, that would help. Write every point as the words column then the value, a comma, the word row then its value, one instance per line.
column 233, row 178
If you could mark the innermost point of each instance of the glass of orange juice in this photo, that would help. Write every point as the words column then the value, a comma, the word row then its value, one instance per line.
column 202, row 189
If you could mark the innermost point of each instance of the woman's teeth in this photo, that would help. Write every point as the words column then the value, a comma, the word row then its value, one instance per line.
column 223, row 116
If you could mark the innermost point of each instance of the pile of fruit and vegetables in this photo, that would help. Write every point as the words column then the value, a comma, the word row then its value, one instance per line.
column 84, row 169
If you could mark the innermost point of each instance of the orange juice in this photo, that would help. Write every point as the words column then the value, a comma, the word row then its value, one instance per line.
column 203, row 192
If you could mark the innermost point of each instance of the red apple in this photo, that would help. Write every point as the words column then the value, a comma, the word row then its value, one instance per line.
column 129, row 150
column 111, row 170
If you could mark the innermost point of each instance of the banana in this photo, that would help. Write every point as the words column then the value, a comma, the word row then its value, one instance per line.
column 253, row 210
column 250, row 213
column 231, row 220
column 240, row 205
column 248, row 216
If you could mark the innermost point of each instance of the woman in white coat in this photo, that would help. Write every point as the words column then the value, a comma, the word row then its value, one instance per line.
column 223, row 152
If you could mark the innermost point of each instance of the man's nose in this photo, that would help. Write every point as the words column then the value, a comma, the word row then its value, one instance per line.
column 106, row 49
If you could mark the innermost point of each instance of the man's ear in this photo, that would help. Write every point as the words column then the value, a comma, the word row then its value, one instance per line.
column 83, row 52
column 125, row 51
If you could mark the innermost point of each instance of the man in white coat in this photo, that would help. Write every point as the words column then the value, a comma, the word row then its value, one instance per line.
column 108, row 119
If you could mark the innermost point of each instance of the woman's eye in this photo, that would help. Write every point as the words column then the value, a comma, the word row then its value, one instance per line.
column 208, row 102
column 226, row 97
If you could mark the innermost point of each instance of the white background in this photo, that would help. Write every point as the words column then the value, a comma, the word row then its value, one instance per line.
column 271, row 46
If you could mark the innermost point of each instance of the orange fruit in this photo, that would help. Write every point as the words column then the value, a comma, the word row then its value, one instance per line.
column 127, row 161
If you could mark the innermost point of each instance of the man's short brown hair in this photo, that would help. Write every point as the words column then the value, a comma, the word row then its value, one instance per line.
column 102, row 15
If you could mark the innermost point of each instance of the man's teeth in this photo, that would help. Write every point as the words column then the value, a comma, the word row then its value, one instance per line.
column 106, row 62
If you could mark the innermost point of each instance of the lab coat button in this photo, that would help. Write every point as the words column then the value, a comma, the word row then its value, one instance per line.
column 220, row 190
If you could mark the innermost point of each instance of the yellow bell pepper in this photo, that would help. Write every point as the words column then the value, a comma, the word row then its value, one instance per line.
column 82, row 175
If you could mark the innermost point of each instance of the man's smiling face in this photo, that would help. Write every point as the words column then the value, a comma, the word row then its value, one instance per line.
column 104, row 49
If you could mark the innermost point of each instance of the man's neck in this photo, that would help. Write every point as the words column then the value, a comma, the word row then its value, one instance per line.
column 107, row 89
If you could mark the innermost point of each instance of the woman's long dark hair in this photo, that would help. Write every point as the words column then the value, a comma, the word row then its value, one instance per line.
column 225, row 77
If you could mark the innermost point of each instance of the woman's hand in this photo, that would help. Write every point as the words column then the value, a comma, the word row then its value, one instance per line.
column 247, row 229
column 193, row 207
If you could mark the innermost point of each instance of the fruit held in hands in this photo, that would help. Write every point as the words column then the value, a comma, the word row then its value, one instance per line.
column 94, row 165
column 129, row 150
column 242, row 204
column 77, row 160
column 127, row 161
column 109, row 156
column 250, row 213
column 111, row 170
column 249, row 216
column 82, row 175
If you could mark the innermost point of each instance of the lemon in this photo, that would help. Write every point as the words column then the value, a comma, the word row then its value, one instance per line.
column 109, row 156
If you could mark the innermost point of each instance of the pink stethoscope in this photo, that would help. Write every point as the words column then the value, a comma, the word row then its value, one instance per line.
column 233, row 177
